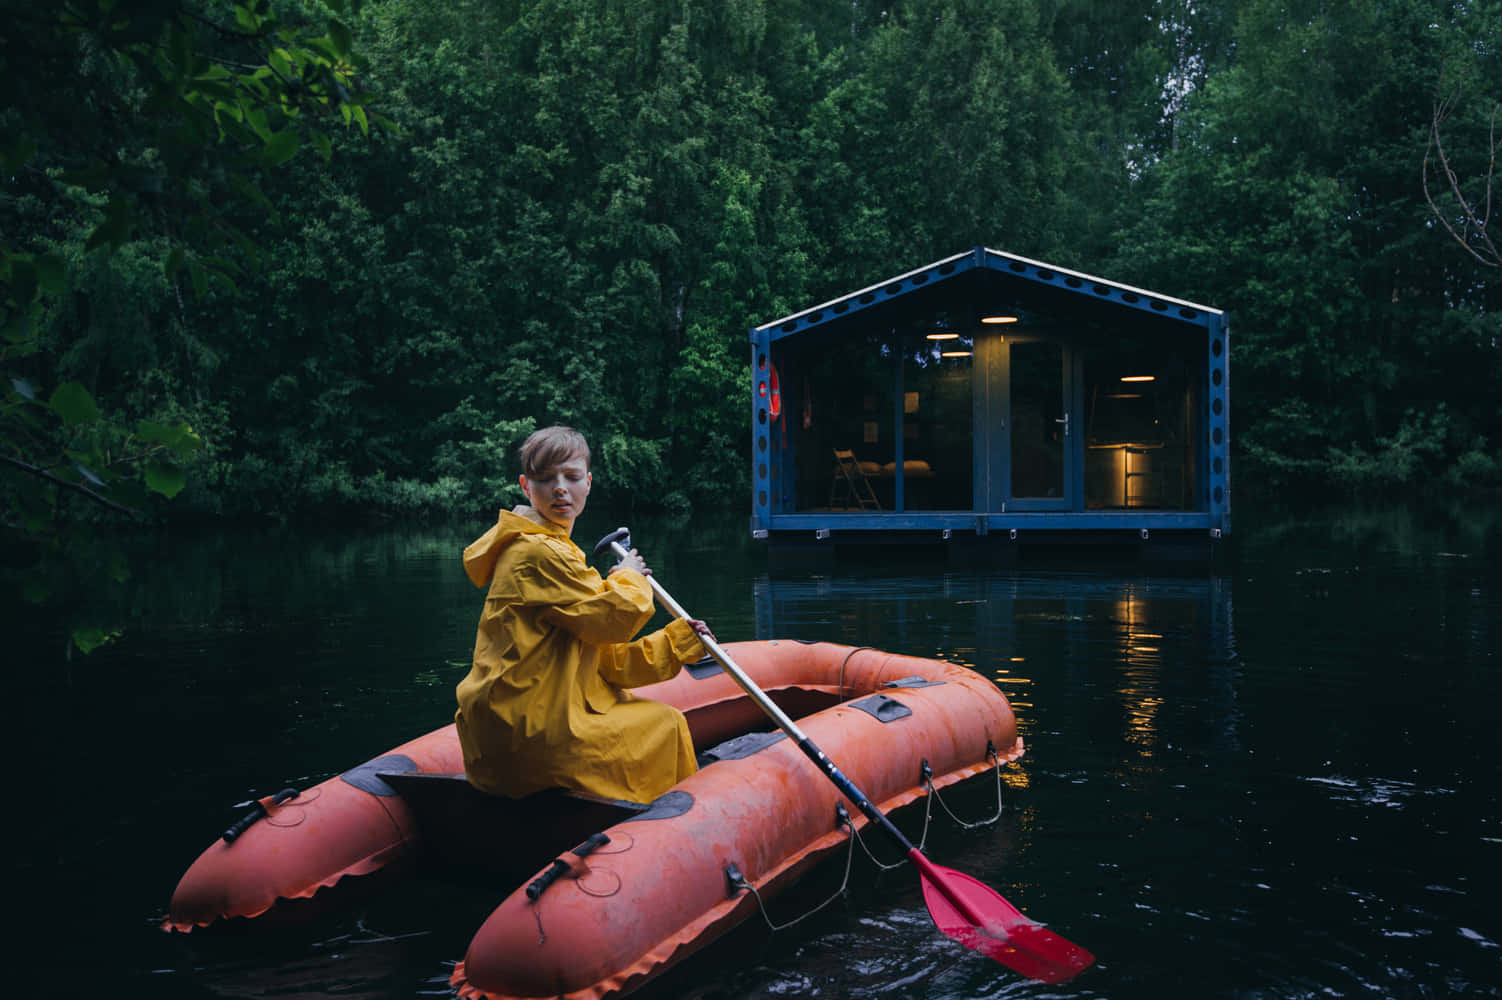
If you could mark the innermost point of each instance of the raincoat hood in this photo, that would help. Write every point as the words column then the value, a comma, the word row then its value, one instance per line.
column 484, row 552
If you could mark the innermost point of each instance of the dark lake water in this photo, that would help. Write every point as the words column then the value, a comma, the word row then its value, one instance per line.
column 1278, row 779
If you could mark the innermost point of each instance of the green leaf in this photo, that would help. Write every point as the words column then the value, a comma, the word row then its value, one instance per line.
column 236, row 132
column 281, row 148
column 256, row 119
column 218, row 91
column 229, row 110
column 173, row 263
column 74, row 404
column 321, row 47
column 165, row 478
column 246, row 18
column 180, row 439
column 170, row 435
column 23, row 387
column 148, row 430
column 340, row 36
column 90, row 637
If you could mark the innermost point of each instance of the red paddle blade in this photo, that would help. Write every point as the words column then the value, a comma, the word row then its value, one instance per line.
column 976, row 916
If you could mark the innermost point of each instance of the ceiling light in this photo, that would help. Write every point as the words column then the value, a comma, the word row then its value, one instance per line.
column 1137, row 378
column 998, row 320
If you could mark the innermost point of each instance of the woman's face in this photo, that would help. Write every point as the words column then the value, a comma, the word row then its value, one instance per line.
column 558, row 493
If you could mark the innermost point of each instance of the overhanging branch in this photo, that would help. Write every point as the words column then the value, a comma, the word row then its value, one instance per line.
column 41, row 473
column 1472, row 233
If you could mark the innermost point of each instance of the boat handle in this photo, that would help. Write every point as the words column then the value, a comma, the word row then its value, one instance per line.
column 540, row 884
column 257, row 811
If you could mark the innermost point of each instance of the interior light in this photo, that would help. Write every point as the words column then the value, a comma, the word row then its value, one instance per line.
column 954, row 354
column 998, row 320
column 943, row 336
column 1138, row 378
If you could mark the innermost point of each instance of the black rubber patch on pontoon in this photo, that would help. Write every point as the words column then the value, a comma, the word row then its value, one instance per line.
column 741, row 747
column 665, row 806
column 915, row 681
column 367, row 777
column 882, row 708
column 706, row 667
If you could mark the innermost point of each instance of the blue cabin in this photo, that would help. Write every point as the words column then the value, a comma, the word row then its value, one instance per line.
column 989, row 402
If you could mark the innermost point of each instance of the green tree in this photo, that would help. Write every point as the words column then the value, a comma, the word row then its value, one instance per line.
column 1294, row 198
column 137, row 135
column 948, row 127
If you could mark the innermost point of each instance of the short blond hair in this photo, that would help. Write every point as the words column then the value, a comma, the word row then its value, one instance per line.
column 552, row 446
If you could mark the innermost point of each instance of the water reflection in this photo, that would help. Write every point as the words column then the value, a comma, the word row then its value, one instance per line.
column 1137, row 647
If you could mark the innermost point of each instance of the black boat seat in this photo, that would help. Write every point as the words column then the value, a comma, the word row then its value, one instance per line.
column 465, row 829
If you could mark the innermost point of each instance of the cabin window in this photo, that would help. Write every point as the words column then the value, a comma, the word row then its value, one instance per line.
column 938, row 421
column 1139, row 441
column 898, row 420
column 838, row 431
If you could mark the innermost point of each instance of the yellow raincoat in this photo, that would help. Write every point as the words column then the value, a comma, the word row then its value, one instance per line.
column 544, row 704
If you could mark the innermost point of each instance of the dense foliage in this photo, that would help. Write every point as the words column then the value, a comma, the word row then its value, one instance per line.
column 136, row 135
column 580, row 206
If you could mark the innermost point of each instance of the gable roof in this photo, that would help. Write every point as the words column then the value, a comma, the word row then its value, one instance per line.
column 999, row 279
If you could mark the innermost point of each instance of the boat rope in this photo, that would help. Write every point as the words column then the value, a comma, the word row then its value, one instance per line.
column 883, row 866
column 928, row 810
column 739, row 881
column 933, row 794
column 846, row 660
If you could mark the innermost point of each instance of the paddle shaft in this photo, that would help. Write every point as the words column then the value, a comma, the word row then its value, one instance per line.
column 784, row 722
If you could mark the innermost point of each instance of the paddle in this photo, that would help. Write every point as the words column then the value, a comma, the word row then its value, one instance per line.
column 963, row 908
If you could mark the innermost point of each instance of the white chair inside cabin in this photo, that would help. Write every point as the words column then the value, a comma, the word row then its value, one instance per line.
column 849, row 488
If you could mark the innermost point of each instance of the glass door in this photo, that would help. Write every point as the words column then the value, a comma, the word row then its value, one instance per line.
column 1040, row 438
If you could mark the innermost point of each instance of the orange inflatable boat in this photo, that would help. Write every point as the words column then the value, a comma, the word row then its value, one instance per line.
column 647, row 885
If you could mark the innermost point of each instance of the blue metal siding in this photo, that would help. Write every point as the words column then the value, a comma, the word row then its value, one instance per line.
column 1217, row 420
column 762, row 455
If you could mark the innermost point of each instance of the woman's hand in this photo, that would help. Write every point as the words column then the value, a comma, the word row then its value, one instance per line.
column 701, row 628
column 633, row 560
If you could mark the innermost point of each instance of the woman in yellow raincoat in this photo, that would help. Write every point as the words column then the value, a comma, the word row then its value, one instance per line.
column 544, row 704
